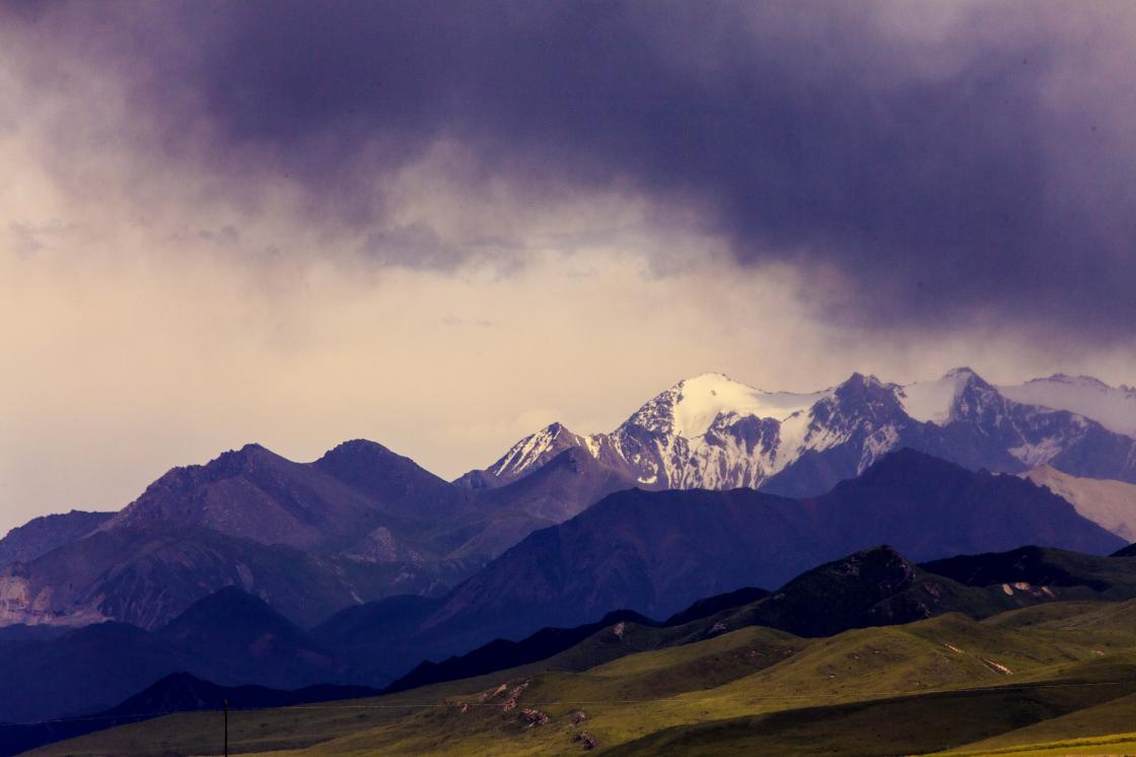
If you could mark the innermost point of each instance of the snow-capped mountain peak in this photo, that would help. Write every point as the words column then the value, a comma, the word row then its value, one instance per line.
column 935, row 401
column 689, row 408
column 535, row 450
column 710, row 431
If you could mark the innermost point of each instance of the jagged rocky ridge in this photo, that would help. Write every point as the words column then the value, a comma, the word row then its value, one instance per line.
column 712, row 432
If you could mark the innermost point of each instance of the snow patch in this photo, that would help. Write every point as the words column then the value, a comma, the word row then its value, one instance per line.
column 528, row 451
column 932, row 401
column 1039, row 453
column 794, row 429
column 997, row 667
column 878, row 444
column 698, row 401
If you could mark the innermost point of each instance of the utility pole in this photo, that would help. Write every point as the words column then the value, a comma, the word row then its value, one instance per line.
column 226, row 728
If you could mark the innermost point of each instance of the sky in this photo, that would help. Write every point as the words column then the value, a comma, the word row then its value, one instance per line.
column 441, row 225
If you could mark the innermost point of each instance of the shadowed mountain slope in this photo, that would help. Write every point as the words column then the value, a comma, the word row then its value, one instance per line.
column 1108, row 578
column 874, row 587
column 177, row 692
column 656, row 552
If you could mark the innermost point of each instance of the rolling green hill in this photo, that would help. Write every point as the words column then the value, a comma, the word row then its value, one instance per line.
column 1022, row 679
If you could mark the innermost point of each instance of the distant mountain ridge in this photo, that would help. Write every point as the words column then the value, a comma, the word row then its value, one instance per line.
column 229, row 638
column 352, row 500
column 712, row 432
column 358, row 524
column 41, row 535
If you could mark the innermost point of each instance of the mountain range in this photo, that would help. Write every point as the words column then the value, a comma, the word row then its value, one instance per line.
column 652, row 553
column 358, row 524
column 362, row 522
column 712, row 432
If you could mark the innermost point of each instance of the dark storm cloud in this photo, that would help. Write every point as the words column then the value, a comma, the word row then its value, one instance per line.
column 939, row 173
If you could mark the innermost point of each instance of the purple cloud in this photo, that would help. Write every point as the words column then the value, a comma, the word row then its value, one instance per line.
column 948, row 175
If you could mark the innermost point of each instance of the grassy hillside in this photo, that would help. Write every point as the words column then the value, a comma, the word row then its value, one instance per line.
column 1026, row 678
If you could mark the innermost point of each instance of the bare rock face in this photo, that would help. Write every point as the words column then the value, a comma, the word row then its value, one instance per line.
column 21, row 603
column 514, row 696
column 486, row 696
